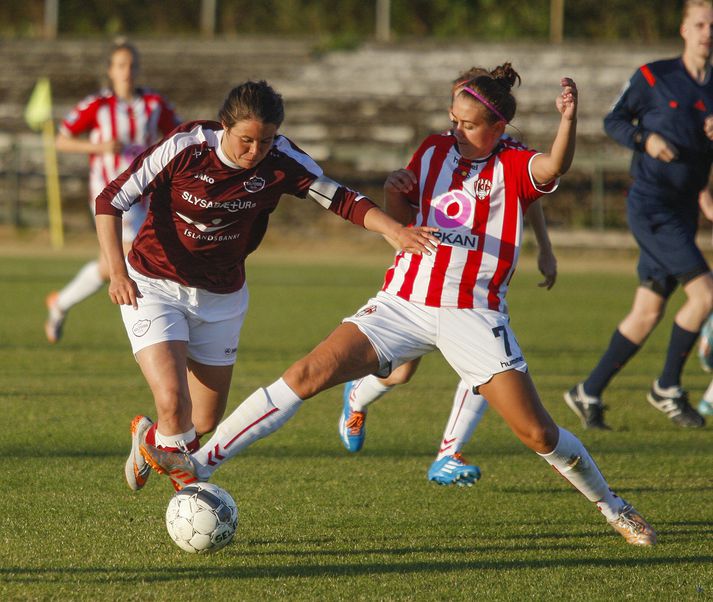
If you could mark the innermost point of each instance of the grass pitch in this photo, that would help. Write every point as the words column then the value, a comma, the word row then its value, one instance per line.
column 316, row 522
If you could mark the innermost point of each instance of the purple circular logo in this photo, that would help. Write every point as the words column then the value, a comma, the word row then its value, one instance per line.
column 453, row 210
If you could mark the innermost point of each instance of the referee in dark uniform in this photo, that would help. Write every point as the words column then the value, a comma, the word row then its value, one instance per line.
column 665, row 115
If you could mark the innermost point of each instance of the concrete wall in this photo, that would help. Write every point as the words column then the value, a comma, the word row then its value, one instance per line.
column 360, row 113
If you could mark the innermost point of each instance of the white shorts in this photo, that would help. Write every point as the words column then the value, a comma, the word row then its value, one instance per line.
column 477, row 343
column 168, row 311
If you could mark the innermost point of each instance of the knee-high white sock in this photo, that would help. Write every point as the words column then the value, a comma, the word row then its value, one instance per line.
column 466, row 414
column 87, row 282
column 572, row 460
column 263, row 412
column 365, row 391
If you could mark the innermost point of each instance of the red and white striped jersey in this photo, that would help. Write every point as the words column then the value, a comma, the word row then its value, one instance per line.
column 206, row 214
column 478, row 207
column 136, row 124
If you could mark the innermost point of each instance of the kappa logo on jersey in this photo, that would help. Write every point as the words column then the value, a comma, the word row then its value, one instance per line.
column 254, row 184
column 369, row 309
column 483, row 188
column 141, row 327
column 205, row 178
column 231, row 350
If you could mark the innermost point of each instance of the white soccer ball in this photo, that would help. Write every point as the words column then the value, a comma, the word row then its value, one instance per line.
column 201, row 518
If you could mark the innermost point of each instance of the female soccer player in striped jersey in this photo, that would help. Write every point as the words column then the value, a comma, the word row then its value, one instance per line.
column 183, row 296
column 121, row 121
column 475, row 192
column 450, row 466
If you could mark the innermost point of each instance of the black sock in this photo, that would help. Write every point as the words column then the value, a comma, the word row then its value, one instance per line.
column 679, row 347
column 620, row 351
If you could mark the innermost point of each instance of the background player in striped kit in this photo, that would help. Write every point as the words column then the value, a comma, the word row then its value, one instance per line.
column 121, row 121
column 450, row 466
column 182, row 290
column 665, row 115
column 475, row 193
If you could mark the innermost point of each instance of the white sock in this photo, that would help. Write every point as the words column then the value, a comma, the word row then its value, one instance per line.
column 365, row 391
column 87, row 282
column 571, row 459
column 468, row 409
column 708, row 395
column 260, row 414
column 181, row 441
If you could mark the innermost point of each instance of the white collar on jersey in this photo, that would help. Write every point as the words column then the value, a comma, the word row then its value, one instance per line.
column 222, row 156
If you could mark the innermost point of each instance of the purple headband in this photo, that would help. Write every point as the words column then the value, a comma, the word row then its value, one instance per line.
column 485, row 102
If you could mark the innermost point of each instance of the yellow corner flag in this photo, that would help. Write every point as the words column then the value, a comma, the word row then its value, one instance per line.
column 39, row 108
column 38, row 115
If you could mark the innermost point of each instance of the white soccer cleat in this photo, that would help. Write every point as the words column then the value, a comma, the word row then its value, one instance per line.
column 136, row 469
column 179, row 466
column 633, row 528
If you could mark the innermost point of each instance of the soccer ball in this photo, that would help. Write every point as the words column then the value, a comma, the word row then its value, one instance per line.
column 201, row 518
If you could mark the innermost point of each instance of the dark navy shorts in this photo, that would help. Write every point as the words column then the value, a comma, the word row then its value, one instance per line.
column 669, row 255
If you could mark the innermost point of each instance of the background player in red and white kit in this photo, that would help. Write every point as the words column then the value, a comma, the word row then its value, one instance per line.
column 450, row 466
column 121, row 121
column 183, row 296
column 475, row 193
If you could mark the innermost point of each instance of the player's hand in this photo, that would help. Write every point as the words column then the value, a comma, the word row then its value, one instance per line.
column 418, row 240
column 708, row 127
column 401, row 180
column 659, row 148
column 566, row 102
column 124, row 291
column 547, row 264
column 113, row 147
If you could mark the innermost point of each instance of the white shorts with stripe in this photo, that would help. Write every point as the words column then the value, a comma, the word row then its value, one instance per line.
column 168, row 311
column 477, row 343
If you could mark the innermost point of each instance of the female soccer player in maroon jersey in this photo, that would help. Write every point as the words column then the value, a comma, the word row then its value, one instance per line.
column 475, row 192
column 212, row 187
column 120, row 122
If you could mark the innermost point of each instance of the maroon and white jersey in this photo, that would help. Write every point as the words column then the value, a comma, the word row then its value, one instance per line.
column 136, row 124
column 478, row 207
column 206, row 214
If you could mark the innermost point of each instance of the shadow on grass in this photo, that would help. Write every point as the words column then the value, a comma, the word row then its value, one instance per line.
column 158, row 574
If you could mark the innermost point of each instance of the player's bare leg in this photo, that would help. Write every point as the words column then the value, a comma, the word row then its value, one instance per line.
column 359, row 394
column 345, row 354
column 209, row 388
column 512, row 394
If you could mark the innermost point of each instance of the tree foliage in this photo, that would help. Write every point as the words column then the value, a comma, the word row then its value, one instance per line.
column 506, row 20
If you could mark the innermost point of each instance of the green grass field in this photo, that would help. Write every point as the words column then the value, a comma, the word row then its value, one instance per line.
column 316, row 522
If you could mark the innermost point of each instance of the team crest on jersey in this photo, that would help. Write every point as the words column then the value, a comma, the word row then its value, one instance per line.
column 482, row 188
column 141, row 327
column 369, row 309
column 254, row 184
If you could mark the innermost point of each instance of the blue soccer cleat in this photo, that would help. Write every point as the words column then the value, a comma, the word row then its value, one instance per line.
column 453, row 470
column 705, row 408
column 705, row 346
column 352, row 425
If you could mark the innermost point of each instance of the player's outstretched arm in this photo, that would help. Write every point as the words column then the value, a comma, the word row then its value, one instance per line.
column 549, row 166
column 69, row 144
column 419, row 240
